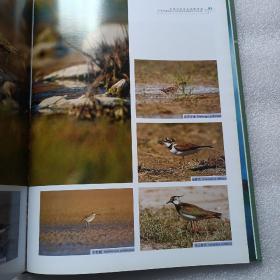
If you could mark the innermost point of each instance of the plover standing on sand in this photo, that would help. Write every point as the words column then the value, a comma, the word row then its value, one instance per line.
column 89, row 219
column 184, row 149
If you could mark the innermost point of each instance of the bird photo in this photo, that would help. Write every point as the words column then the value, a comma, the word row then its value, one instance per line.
column 75, row 222
column 184, row 149
column 173, row 89
column 179, row 217
column 179, row 151
column 89, row 219
column 9, row 225
column 192, row 213
column 15, row 40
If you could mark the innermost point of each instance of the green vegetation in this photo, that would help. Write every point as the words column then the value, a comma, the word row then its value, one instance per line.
column 164, row 229
column 69, row 151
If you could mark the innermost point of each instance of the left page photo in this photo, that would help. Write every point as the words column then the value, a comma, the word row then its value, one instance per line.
column 81, row 95
column 15, row 48
column 81, row 144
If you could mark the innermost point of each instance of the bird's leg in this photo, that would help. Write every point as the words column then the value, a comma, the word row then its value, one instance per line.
column 197, row 226
column 183, row 163
column 189, row 225
column 206, row 226
column 192, row 224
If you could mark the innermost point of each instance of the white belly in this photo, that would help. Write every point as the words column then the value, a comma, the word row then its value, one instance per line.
column 183, row 153
column 90, row 219
column 188, row 217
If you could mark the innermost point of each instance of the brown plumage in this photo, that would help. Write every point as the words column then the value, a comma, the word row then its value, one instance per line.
column 169, row 90
column 183, row 149
column 192, row 213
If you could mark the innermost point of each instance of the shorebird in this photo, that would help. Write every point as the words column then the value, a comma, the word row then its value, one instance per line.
column 88, row 219
column 184, row 149
column 3, row 228
column 170, row 90
column 192, row 213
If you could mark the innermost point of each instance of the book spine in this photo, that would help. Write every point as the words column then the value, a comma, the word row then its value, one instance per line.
column 256, row 254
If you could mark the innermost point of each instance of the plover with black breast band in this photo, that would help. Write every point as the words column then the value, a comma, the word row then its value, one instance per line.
column 184, row 149
column 192, row 213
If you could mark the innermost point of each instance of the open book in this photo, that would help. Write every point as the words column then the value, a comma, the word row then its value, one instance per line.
column 123, row 137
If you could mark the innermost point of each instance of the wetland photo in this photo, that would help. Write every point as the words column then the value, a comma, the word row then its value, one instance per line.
column 178, row 152
column 172, row 89
column 80, row 130
column 181, row 217
column 9, row 225
column 86, row 222
column 15, row 40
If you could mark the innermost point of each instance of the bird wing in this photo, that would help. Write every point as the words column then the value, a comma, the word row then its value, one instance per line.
column 191, row 209
column 186, row 147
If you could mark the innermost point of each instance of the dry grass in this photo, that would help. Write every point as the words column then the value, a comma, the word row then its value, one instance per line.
column 163, row 229
column 157, row 164
column 69, row 151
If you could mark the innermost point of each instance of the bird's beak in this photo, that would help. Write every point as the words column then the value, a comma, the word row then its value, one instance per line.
column 168, row 202
column 160, row 142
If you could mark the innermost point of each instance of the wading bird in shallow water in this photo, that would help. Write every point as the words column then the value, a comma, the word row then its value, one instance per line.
column 89, row 219
column 192, row 213
column 184, row 149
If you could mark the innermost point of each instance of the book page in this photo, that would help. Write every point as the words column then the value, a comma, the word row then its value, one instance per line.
column 135, row 160
column 13, row 209
column 15, row 46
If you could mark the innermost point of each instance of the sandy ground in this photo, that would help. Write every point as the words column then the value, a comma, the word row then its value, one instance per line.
column 157, row 164
column 162, row 227
column 196, row 104
column 151, row 76
column 78, row 240
column 174, row 106
column 63, row 231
